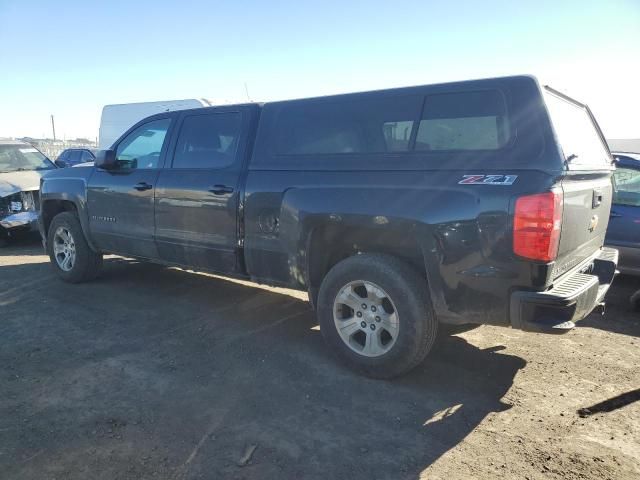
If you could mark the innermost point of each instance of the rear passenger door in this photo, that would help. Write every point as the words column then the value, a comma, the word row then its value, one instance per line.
column 624, row 225
column 197, row 195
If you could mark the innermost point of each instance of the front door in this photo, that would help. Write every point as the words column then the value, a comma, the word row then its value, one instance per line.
column 120, row 201
column 197, row 193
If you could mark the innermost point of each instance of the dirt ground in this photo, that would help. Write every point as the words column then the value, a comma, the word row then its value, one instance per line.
column 154, row 372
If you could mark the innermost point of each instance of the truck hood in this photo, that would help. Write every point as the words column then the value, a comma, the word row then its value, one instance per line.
column 13, row 182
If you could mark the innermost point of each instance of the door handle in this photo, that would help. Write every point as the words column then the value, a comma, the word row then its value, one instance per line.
column 142, row 186
column 614, row 215
column 221, row 189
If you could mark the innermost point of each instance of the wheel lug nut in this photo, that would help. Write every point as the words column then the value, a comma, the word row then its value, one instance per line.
column 372, row 326
column 373, row 308
column 359, row 314
column 363, row 324
column 377, row 319
column 364, row 306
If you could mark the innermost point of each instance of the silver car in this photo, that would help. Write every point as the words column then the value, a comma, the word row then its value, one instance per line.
column 21, row 166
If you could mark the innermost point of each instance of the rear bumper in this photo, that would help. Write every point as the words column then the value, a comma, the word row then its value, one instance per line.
column 571, row 299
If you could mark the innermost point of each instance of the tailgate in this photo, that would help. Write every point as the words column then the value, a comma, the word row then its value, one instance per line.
column 586, row 184
column 587, row 202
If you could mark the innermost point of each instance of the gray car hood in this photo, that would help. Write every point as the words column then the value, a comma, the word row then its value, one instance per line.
column 13, row 182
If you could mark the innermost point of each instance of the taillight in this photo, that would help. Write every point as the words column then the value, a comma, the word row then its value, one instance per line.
column 536, row 226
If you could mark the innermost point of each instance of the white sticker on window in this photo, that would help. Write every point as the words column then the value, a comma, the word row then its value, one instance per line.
column 27, row 150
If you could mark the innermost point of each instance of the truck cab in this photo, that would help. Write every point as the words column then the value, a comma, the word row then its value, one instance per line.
column 173, row 193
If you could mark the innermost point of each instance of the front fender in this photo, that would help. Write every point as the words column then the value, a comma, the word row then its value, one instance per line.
column 60, row 189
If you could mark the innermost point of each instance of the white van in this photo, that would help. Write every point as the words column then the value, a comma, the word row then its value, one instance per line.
column 117, row 119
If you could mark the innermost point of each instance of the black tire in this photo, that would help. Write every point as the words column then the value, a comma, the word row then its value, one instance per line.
column 409, row 294
column 635, row 301
column 4, row 238
column 87, row 263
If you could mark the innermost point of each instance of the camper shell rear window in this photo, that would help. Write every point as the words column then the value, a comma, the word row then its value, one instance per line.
column 577, row 133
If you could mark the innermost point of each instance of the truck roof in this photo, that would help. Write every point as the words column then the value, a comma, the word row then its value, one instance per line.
column 202, row 101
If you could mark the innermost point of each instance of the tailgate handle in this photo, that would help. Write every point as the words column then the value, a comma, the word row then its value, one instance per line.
column 597, row 198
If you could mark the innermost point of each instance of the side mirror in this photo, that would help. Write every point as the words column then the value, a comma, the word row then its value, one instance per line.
column 105, row 159
column 61, row 164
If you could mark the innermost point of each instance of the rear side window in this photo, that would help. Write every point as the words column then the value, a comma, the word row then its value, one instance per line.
column 464, row 121
column 73, row 157
column 86, row 156
column 208, row 141
column 577, row 134
column 397, row 135
column 378, row 125
column 627, row 187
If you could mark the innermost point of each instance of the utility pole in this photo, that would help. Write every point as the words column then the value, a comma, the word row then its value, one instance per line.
column 53, row 127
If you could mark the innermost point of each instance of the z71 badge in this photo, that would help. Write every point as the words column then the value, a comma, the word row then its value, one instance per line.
column 488, row 179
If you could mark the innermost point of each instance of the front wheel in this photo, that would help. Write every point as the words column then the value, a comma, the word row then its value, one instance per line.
column 374, row 312
column 72, row 258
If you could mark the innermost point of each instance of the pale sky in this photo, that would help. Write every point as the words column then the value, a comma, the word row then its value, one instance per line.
column 69, row 58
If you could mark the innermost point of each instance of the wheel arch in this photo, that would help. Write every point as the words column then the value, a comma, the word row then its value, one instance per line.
column 52, row 205
column 328, row 244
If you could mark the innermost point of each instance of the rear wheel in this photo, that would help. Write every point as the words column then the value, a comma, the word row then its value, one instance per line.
column 70, row 254
column 374, row 312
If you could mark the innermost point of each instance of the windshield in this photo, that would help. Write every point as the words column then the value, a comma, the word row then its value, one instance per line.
column 18, row 158
column 578, row 136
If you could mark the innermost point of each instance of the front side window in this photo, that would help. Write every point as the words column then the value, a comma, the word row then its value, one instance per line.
column 142, row 147
column 208, row 141
column 16, row 158
column 368, row 125
column 627, row 187
column 464, row 121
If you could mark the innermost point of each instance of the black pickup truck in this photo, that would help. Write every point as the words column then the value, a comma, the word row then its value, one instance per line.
column 399, row 211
